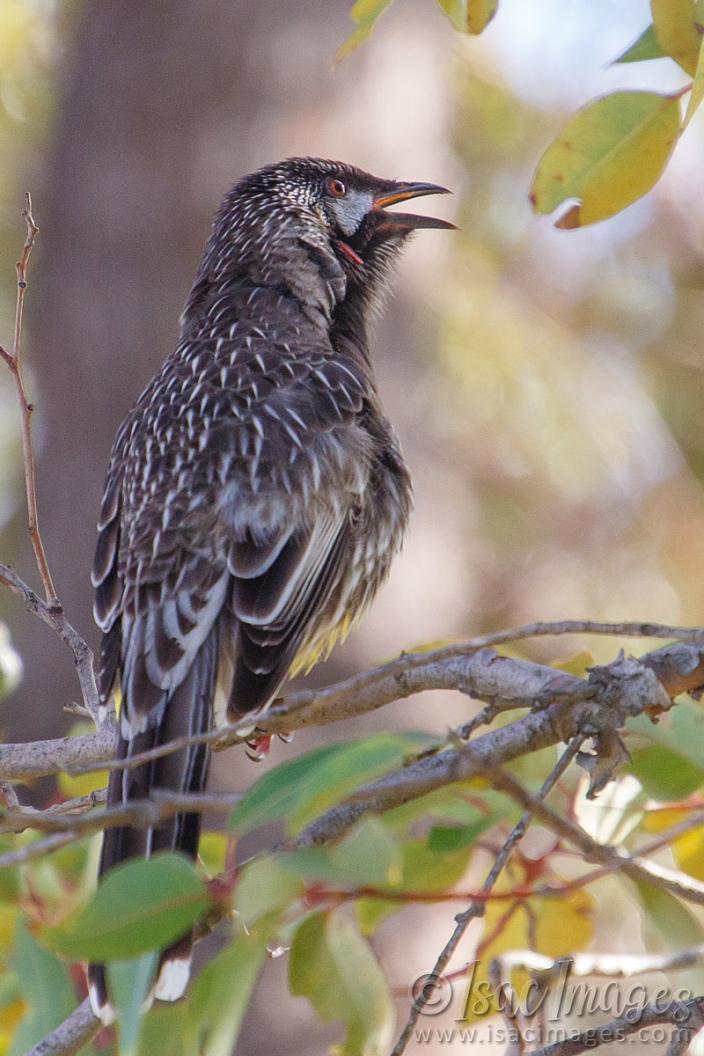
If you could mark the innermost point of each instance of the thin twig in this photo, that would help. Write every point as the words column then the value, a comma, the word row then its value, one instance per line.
column 14, row 362
column 18, row 818
column 477, row 908
column 52, row 613
column 141, row 813
column 50, row 609
column 632, row 866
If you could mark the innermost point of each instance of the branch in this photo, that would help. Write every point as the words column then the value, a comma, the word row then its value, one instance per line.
column 50, row 609
column 53, row 615
column 14, row 362
column 687, row 1018
column 70, row 1037
column 504, row 683
column 602, row 965
column 477, row 907
column 632, row 866
column 141, row 813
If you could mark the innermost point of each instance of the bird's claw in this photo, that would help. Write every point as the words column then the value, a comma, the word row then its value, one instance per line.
column 258, row 746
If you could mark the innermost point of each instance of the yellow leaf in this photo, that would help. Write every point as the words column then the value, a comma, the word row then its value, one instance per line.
column 688, row 849
column 8, row 925
column 212, row 850
column 609, row 155
column 364, row 13
column 10, row 1017
column 660, row 820
column 697, row 93
column 565, row 924
column 81, row 784
column 562, row 925
column 576, row 665
column 470, row 16
column 676, row 31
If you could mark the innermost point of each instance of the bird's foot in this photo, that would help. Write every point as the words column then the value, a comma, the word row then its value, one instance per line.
column 258, row 746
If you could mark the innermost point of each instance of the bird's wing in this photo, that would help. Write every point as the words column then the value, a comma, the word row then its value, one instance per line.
column 283, row 579
column 275, row 603
column 155, row 602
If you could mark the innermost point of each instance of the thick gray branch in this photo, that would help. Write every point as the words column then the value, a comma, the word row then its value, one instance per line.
column 69, row 1038
column 503, row 682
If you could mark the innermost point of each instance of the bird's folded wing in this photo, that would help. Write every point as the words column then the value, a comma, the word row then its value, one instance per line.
column 275, row 609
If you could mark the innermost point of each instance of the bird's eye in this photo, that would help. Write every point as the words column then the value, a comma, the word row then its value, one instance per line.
column 336, row 188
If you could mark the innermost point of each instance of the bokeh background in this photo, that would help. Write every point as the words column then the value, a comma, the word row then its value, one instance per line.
column 547, row 386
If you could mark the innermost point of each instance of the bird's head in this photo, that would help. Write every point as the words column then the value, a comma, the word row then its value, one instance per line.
column 307, row 218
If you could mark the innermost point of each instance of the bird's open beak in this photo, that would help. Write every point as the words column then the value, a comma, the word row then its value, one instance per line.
column 402, row 192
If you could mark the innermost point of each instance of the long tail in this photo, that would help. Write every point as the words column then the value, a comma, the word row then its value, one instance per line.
column 188, row 711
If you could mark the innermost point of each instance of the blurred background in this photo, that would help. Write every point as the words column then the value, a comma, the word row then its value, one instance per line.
column 547, row 386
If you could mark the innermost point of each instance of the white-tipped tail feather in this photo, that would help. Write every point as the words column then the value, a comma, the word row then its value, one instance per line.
column 102, row 1008
column 173, row 979
column 170, row 986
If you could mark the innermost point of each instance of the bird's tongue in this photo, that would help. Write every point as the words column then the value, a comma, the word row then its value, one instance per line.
column 348, row 252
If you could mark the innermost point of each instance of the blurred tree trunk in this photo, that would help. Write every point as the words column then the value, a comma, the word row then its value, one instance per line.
column 161, row 107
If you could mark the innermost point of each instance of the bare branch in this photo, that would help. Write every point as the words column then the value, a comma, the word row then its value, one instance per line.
column 21, row 762
column 14, row 362
column 477, row 908
column 53, row 615
column 686, row 1017
column 602, row 965
column 502, row 682
column 70, row 1037
column 139, row 813
column 632, row 866
column 19, row 818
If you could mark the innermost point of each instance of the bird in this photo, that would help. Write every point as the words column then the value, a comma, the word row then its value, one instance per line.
column 256, row 493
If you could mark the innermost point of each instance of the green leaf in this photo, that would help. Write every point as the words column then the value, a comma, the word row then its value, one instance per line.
column 332, row 965
column 464, row 802
column 667, row 923
column 220, row 995
column 367, row 856
column 452, row 837
column 364, row 13
column 129, row 983
column 610, row 154
column 470, row 16
column 422, row 869
column 644, row 48
column 47, row 988
column 676, row 31
column 681, row 731
column 11, row 883
column 665, row 775
column 300, row 789
column 162, row 1031
column 138, row 907
column 266, row 887
column 9, row 989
